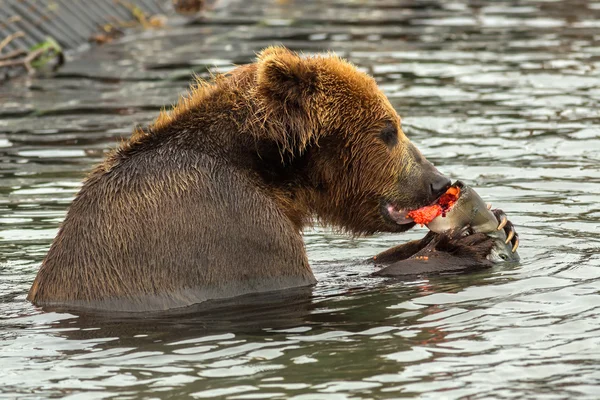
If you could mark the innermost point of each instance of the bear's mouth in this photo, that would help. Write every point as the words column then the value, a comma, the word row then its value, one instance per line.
column 398, row 215
column 426, row 214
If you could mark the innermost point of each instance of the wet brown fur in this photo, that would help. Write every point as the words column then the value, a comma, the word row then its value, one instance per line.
column 210, row 200
column 436, row 253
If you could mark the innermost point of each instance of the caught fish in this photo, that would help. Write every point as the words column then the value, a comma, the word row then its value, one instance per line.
column 464, row 234
column 469, row 210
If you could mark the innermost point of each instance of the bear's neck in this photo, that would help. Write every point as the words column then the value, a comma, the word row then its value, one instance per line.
column 218, row 130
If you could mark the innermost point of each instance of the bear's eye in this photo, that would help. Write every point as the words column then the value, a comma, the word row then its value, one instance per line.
column 389, row 135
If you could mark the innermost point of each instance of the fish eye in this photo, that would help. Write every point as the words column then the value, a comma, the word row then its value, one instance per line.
column 504, row 257
column 389, row 135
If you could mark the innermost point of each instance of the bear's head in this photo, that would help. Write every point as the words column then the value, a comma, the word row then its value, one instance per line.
column 341, row 152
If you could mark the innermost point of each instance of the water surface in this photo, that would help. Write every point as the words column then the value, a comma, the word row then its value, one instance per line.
column 503, row 95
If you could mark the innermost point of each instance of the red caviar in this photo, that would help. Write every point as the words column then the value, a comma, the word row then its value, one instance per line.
column 425, row 215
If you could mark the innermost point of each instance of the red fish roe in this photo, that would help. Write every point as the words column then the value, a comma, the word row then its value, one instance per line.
column 425, row 215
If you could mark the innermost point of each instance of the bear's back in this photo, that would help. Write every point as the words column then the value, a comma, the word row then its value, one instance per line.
column 168, row 227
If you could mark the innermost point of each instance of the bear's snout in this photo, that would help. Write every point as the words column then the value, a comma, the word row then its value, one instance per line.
column 438, row 184
column 432, row 183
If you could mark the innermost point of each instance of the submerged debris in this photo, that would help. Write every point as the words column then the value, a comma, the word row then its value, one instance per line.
column 36, row 57
column 114, row 30
column 36, row 34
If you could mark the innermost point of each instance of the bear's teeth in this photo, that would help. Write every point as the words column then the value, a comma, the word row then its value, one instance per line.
column 399, row 216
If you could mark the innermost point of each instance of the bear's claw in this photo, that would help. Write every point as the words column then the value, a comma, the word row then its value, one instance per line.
column 509, row 237
column 503, row 223
column 516, row 245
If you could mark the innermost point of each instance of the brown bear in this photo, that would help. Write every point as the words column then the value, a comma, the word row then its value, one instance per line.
column 209, row 201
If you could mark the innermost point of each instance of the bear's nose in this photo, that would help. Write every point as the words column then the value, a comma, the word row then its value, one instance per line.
column 439, row 185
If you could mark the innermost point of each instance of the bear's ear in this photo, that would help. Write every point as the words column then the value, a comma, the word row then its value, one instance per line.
column 285, row 77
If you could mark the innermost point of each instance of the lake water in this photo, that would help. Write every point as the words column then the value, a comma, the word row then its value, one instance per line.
column 503, row 95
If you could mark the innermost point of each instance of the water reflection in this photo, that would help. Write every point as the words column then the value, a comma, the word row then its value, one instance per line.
column 242, row 338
